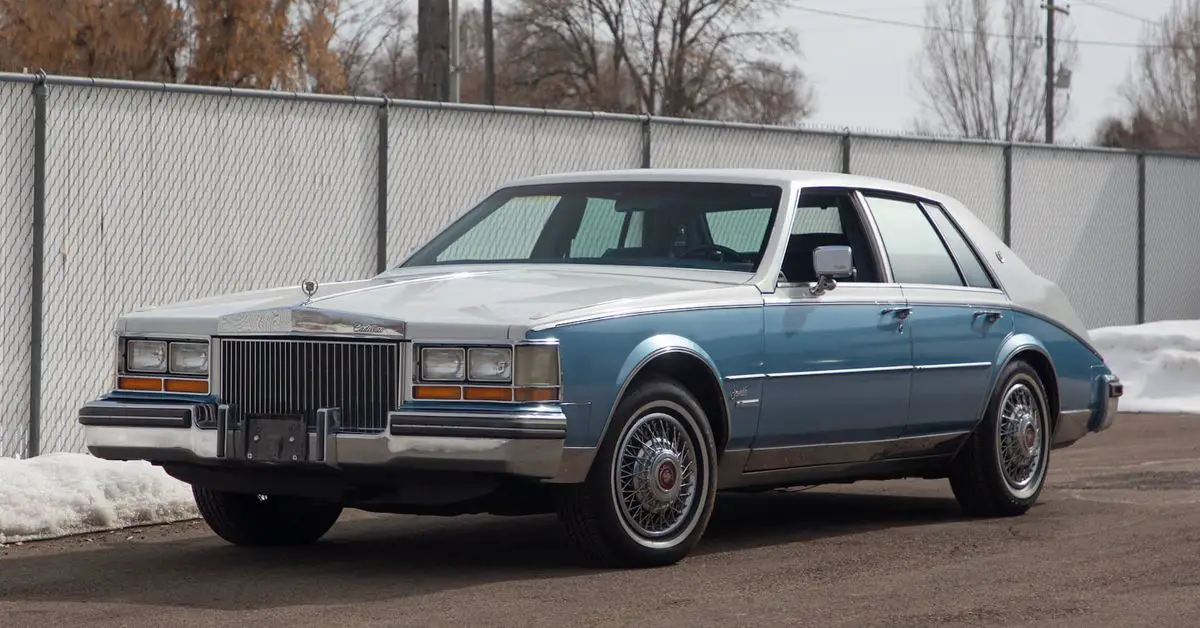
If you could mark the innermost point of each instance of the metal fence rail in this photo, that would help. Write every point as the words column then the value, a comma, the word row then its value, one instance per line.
column 120, row 195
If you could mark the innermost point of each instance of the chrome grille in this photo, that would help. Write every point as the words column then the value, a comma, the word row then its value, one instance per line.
column 301, row 376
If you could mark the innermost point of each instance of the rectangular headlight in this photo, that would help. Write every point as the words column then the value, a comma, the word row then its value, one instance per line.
column 189, row 358
column 146, row 356
column 537, row 365
column 443, row 364
column 489, row 364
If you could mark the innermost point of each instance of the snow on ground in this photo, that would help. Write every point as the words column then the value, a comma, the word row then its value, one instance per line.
column 60, row 494
column 1158, row 362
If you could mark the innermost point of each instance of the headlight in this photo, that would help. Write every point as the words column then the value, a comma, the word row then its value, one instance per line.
column 189, row 358
column 146, row 356
column 488, row 364
column 443, row 364
column 537, row 365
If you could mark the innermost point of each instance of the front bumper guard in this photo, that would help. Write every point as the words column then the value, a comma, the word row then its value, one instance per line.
column 528, row 444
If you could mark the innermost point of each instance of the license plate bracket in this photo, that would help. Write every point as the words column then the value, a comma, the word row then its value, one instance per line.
column 276, row 438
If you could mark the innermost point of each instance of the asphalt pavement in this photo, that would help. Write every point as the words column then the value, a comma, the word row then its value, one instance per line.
column 1114, row 541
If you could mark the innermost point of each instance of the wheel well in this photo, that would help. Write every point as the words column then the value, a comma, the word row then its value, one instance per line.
column 692, row 373
column 1045, row 371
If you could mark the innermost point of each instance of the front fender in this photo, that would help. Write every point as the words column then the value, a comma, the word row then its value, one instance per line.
column 643, row 354
column 653, row 347
column 600, row 358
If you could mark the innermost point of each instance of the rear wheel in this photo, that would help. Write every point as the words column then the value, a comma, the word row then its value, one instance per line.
column 247, row 519
column 651, row 490
column 1002, row 469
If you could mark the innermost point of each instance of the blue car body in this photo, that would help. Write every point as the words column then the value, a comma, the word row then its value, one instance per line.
column 864, row 329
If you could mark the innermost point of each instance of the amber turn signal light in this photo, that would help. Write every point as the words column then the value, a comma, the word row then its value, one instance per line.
column 140, row 383
column 479, row 393
column 192, row 386
column 436, row 392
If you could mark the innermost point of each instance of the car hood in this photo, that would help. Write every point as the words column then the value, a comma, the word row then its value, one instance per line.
column 462, row 303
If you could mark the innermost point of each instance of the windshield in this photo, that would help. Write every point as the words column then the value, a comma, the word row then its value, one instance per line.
column 721, row 226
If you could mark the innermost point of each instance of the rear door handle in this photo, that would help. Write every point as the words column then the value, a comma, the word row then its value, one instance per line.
column 991, row 315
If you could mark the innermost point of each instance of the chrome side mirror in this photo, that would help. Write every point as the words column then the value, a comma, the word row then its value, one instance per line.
column 831, row 263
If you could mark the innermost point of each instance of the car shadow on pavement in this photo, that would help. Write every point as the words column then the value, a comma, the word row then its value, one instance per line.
column 745, row 521
column 380, row 558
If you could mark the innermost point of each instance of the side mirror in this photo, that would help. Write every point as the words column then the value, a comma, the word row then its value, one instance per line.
column 831, row 263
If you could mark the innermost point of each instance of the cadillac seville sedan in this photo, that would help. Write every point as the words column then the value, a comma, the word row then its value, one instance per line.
column 617, row 347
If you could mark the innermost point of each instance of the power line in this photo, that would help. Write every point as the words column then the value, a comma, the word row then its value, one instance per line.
column 963, row 31
column 1115, row 11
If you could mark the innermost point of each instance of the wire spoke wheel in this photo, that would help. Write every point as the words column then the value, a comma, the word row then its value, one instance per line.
column 655, row 476
column 1021, row 439
column 648, row 498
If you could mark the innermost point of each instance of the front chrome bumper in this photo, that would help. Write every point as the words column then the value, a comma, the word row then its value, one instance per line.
column 528, row 444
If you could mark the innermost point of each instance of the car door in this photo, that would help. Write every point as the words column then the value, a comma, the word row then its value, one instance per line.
column 837, row 364
column 959, row 317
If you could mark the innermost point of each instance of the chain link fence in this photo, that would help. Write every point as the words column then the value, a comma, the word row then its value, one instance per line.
column 1075, row 217
column 16, row 262
column 442, row 161
column 680, row 144
column 160, row 197
column 972, row 173
column 159, row 193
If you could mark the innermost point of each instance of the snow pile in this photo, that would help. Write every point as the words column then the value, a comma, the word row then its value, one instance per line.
column 1159, row 363
column 60, row 494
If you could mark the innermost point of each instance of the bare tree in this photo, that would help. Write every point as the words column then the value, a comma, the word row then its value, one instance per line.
column 365, row 29
column 982, row 75
column 668, row 57
column 1165, row 86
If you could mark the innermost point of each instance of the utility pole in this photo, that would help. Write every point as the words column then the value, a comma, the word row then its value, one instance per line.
column 455, row 54
column 433, row 46
column 1051, row 10
column 489, row 55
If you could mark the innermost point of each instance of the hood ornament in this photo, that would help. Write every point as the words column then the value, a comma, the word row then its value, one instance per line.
column 309, row 288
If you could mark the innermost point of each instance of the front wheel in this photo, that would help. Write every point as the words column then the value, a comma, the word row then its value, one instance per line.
column 1002, row 468
column 247, row 519
column 651, row 489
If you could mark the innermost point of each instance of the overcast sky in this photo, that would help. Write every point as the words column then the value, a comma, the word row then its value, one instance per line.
column 862, row 72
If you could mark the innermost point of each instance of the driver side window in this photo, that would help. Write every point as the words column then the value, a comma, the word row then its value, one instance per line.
column 827, row 218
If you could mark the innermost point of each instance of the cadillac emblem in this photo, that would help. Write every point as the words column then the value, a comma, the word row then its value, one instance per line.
column 309, row 288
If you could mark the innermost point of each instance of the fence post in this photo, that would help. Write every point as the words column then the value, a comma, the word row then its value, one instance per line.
column 1141, row 238
column 1008, row 194
column 40, row 95
column 381, row 191
column 846, row 152
column 646, row 142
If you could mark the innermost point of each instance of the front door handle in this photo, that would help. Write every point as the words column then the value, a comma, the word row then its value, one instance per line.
column 900, row 312
column 991, row 315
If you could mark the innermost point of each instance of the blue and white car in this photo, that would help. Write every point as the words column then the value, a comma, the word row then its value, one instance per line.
column 617, row 347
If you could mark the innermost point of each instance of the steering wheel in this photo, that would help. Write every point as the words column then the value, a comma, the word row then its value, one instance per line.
column 727, row 254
